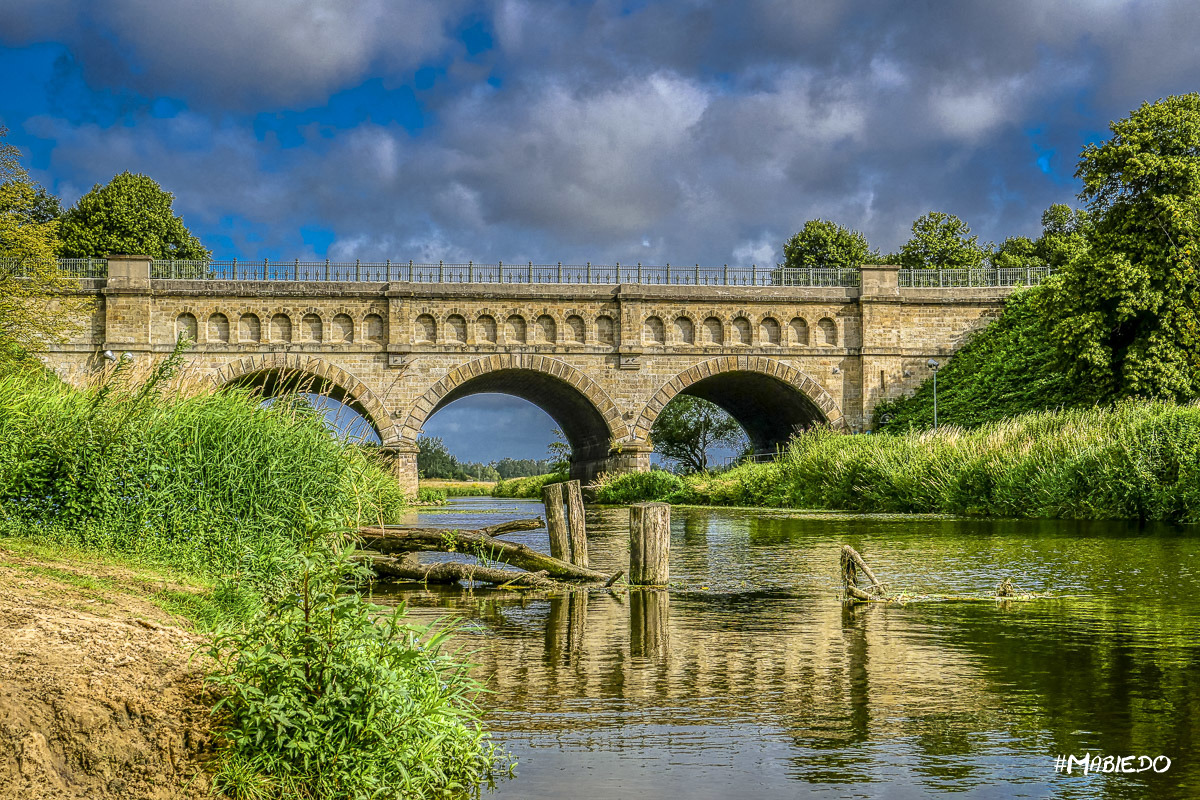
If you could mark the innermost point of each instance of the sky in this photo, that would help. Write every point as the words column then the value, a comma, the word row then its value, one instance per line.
column 683, row 132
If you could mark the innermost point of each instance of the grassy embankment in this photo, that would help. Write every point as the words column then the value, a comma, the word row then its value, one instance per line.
column 527, row 488
column 1017, row 439
column 251, row 503
column 1133, row 461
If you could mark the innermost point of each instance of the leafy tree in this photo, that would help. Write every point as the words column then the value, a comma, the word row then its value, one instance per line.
column 132, row 214
column 941, row 241
column 434, row 460
column 821, row 243
column 1125, row 315
column 36, row 306
column 559, row 452
column 1017, row 251
column 688, row 426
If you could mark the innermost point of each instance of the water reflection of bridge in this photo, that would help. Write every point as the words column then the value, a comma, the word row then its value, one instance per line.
column 797, row 662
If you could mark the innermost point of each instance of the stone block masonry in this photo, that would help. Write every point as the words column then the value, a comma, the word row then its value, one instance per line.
column 603, row 361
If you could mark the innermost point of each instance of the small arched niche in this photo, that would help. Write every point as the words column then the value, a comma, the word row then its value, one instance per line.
column 186, row 327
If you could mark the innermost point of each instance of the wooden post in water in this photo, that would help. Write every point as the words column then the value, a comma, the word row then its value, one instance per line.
column 576, row 524
column 649, row 544
column 556, row 522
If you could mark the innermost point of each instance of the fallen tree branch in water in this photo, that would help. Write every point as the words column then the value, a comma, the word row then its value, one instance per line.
column 482, row 543
column 455, row 571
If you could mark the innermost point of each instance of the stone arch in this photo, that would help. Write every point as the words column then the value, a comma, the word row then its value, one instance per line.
column 249, row 328
column 485, row 329
column 281, row 328
column 424, row 329
column 653, row 331
column 312, row 328
column 685, row 330
column 374, row 330
column 829, row 332
column 218, row 328
column 342, row 329
column 575, row 329
column 606, row 330
column 186, row 326
column 586, row 414
column 515, row 330
column 456, row 329
column 769, row 332
column 740, row 331
column 767, row 397
column 798, row 332
column 546, row 329
column 714, row 332
column 273, row 372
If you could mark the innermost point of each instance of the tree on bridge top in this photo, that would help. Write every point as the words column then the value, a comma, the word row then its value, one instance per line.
column 131, row 214
column 941, row 241
column 822, row 243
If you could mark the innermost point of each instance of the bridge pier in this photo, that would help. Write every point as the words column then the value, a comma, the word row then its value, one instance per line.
column 623, row 457
column 402, row 458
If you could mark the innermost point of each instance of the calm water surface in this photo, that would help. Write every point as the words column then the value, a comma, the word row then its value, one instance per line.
column 749, row 678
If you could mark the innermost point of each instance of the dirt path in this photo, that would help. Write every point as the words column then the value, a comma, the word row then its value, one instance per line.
column 97, row 699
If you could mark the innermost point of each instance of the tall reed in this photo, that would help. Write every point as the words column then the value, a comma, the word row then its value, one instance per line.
column 211, row 482
column 1136, row 460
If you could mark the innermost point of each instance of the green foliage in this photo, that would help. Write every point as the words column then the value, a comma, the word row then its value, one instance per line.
column 37, row 302
column 1139, row 460
column 130, row 215
column 1005, row 369
column 212, row 484
column 527, row 488
column 821, row 243
column 688, row 426
column 434, row 460
column 941, row 241
column 328, row 696
column 427, row 495
column 636, row 487
column 1124, row 315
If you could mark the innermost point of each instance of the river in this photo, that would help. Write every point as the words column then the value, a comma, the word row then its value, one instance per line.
column 750, row 679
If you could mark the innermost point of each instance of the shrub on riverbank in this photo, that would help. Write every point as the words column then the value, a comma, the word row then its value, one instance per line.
column 1138, row 460
column 328, row 696
column 527, row 488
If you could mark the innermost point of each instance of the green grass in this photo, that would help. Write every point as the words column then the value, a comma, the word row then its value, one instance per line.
column 1138, row 460
column 1007, row 368
column 527, row 488
column 210, row 484
column 251, row 504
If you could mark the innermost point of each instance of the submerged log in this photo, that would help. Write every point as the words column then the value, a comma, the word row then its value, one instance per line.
column 482, row 543
column 851, row 564
column 455, row 571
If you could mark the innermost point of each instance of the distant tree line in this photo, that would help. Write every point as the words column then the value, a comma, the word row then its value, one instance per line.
column 434, row 460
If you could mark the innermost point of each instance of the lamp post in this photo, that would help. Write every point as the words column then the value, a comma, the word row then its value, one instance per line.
column 933, row 365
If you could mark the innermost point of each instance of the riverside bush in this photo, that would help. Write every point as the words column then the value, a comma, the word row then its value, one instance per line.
column 635, row 487
column 1136, row 460
column 527, row 488
column 326, row 696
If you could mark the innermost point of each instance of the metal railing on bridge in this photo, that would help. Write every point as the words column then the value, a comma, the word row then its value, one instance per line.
column 982, row 277
column 524, row 273
column 530, row 273
column 75, row 267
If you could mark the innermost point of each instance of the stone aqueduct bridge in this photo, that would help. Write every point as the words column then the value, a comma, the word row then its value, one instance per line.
column 602, row 360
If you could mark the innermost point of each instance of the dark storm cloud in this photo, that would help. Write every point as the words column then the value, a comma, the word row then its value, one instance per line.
column 683, row 132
